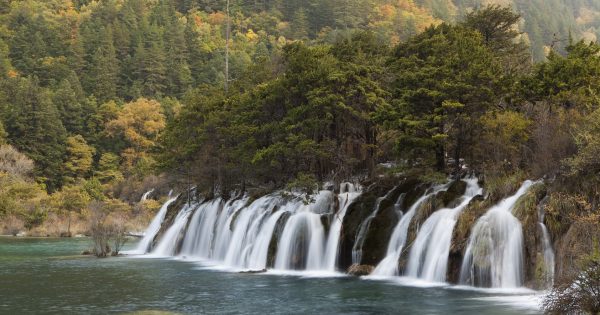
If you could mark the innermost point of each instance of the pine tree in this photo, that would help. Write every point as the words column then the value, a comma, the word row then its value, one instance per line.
column 69, row 107
column 103, row 70
column 300, row 26
column 34, row 127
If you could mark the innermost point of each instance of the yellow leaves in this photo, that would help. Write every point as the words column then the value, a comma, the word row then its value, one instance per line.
column 80, row 157
column 12, row 73
column 504, row 134
column 251, row 36
column 139, row 122
column 452, row 104
column 509, row 126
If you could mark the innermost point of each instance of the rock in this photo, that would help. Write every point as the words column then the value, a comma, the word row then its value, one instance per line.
column 86, row 252
column 65, row 234
column 360, row 270
column 254, row 271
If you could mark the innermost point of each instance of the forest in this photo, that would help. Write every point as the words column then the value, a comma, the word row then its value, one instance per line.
column 101, row 101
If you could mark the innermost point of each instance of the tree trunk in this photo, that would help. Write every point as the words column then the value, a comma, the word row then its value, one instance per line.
column 440, row 157
column 458, row 148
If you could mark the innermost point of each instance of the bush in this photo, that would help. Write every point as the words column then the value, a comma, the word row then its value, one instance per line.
column 107, row 227
column 578, row 293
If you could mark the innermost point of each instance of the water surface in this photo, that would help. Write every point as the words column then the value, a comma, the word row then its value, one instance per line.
column 47, row 276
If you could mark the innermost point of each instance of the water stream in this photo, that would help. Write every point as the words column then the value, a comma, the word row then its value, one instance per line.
column 494, row 254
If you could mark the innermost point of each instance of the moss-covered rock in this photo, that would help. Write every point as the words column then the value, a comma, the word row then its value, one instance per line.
column 460, row 236
column 360, row 270
column 527, row 210
column 279, row 226
column 381, row 227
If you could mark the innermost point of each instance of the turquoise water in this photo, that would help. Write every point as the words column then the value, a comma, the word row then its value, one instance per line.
column 46, row 276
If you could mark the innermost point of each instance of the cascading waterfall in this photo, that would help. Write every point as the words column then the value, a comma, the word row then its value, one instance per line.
column 301, row 244
column 241, row 235
column 389, row 265
column 348, row 193
column 547, row 249
column 168, row 243
column 361, row 234
column 147, row 194
column 494, row 255
column 153, row 228
column 428, row 258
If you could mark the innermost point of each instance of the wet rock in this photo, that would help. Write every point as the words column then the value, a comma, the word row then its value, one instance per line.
column 253, row 271
column 360, row 270
column 279, row 226
column 381, row 227
column 527, row 210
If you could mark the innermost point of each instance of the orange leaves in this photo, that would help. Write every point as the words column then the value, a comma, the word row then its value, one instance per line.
column 216, row 18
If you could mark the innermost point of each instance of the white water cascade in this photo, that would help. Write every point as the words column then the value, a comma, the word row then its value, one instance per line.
column 168, row 243
column 348, row 193
column 389, row 265
column 147, row 194
column 494, row 255
column 277, row 231
column 153, row 228
column 428, row 258
column 361, row 234
column 547, row 249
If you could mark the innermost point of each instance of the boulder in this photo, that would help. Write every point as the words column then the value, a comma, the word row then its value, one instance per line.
column 360, row 270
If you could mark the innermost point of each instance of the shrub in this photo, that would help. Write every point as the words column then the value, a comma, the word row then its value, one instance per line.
column 579, row 293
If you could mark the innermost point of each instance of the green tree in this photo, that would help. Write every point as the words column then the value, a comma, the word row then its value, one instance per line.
column 443, row 80
column 108, row 169
column 34, row 128
column 103, row 69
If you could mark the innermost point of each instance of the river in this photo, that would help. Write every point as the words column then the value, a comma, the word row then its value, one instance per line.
column 47, row 276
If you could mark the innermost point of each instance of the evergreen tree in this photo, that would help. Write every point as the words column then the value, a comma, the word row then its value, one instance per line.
column 103, row 69
column 444, row 79
column 34, row 127
column 69, row 107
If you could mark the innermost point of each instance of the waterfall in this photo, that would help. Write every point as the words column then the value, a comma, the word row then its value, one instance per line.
column 361, row 234
column 279, row 231
column 548, row 252
column 348, row 193
column 146, row 195
column 428, row 258
column 301, row 244
column 494, row 254
column 153, row 228
column 168, row 243
column 389, row 265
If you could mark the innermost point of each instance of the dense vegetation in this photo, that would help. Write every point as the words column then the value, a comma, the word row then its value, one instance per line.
column 98, row 98
column 103, row 100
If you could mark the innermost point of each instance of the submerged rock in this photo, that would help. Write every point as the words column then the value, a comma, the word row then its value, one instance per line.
column 360, row 270
column 253, row 271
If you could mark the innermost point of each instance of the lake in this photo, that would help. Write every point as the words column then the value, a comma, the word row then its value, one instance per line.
column 48, row 276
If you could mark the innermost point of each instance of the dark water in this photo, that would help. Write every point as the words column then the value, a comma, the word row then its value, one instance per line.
column 45, row 276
